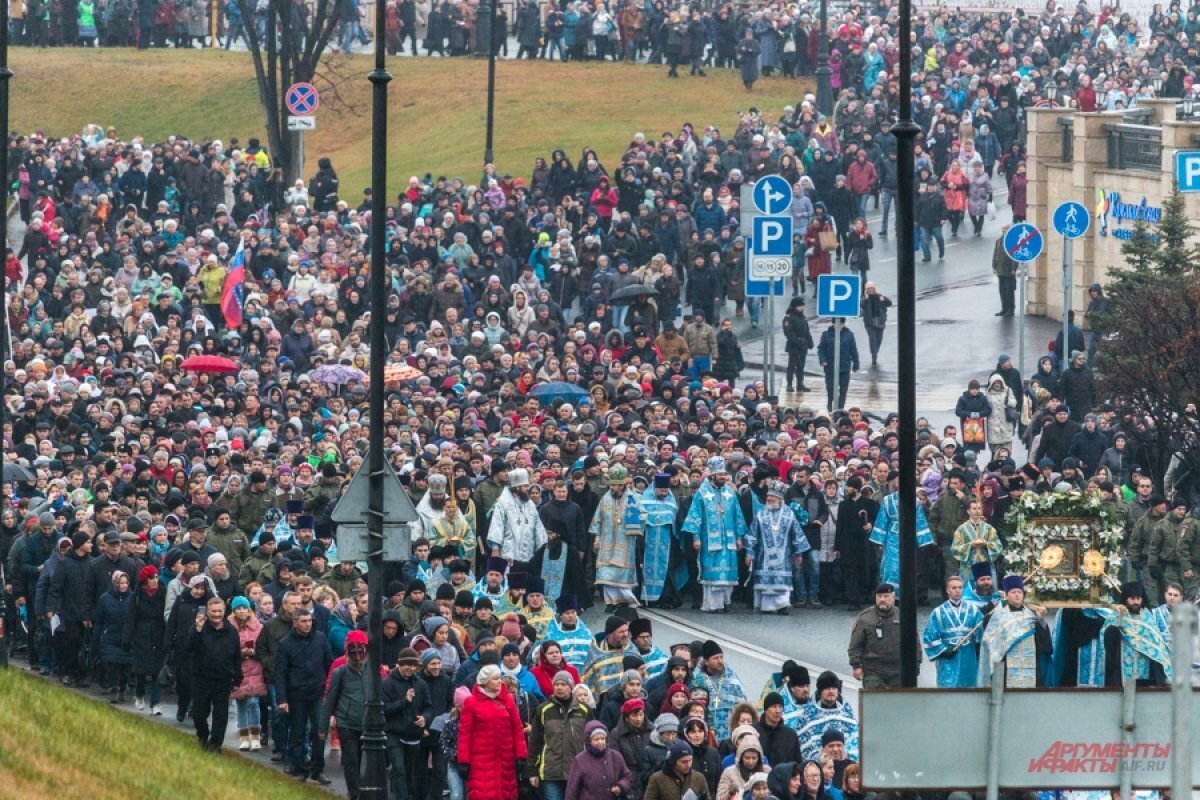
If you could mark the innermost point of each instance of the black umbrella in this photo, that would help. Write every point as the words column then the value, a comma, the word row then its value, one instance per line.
column 15, row 472
column 631, row 294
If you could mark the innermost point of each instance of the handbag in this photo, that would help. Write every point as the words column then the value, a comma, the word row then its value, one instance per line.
column 991, row 210
column 1011, row 415
column 828, row 240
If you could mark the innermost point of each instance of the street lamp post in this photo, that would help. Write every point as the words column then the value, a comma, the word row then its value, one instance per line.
column 374, row 741
column 1051, row 92
column 488, row 156
column 906, row 132
column 5, row 76
column 483, row 27
column 824, row 83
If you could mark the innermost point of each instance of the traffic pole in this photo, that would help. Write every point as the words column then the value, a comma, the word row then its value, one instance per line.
column 5, row 334
column 1064, row 358
column 837, row 365
column 374, row 741
column 1022, row 274
column 906, row 133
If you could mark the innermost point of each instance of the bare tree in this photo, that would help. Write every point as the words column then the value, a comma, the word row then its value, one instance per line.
column 286, row 45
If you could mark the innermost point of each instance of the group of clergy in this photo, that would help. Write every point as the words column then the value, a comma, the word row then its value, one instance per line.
column 979, row 634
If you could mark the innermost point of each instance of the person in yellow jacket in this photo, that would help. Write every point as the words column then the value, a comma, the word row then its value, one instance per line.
column 212, row 281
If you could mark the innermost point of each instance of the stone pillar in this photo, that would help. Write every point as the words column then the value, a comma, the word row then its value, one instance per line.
column 1044, row 154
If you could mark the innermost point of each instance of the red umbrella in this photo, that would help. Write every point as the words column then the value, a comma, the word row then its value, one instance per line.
column 215, row 364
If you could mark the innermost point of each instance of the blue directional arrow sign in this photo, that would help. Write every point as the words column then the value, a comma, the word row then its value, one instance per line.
column 772, row 195
column 1024, row 242
column 1071, row 219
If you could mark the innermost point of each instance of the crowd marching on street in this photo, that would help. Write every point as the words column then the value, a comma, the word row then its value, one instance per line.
column 185, row 402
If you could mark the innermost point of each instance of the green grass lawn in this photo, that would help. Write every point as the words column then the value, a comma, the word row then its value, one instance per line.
column 56, row 743
column 437, row 106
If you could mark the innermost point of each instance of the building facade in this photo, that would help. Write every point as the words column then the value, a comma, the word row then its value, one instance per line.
column 1121, row 166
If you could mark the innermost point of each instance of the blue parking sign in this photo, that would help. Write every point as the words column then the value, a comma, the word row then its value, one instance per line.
column 839, row 295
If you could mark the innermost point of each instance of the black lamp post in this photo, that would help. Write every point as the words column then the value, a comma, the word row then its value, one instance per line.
column 1051, row 92
column 824, row 84
column 483, row 27
column 1158, row 84
column 487, row 11
column 5, row 76
column 906, row 132
column 374, row 741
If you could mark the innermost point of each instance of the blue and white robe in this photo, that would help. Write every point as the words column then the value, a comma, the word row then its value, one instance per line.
column 662, row 540
column 724, row 693
column 715, row 519
column 617, row 526
column 576, row 643
column 1009, row 638
column 774, row 539
column 951, row 626
column 1142, row 642
column 655, row 660
column 814, row 719
column 887, row 534
column 603, row 668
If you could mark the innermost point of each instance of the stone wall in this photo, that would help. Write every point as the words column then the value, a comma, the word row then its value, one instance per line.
column 1087, row 179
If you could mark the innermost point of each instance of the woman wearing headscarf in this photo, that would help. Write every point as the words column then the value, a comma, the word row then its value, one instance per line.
column 248, row 695
column 491, row 745
column 145, row 628
column 108, row 635
column 599, row 772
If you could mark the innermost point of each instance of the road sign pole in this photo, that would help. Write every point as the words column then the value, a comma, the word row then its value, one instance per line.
column 1064, row 357
column 374, row 741
column 1183, row 636
column 837, row 365
column 1022, row 276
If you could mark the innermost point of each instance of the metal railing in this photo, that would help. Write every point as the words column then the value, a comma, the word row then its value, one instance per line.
column 1066, row 130
column 1134, row 147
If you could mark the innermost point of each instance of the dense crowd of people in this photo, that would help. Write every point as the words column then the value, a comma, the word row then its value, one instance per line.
column 185, row 401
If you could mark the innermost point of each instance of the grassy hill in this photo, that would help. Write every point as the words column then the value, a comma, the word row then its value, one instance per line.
column 437, row 106
column 55, row 743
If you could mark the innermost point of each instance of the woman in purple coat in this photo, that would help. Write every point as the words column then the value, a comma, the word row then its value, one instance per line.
column 598, row 772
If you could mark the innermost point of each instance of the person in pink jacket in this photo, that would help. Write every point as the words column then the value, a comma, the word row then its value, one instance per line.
column 253, row 686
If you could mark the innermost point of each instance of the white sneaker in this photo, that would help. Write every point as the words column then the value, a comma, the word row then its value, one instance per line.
column 245, row 743
column 139, row 703
column 156, row 711
column 255, row 744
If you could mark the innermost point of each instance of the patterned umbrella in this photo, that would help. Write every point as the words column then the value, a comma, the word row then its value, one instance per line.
column 399, row 373
column 338, row 374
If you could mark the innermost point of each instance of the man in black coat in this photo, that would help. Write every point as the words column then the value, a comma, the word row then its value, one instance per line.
column 216, row 658
column 780, row 744
column 856, row 515
column 406, row 707
column 799, row 342
column 301, row 664
column 69, row 600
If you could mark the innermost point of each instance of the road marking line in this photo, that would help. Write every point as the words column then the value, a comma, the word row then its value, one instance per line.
column 745, row 648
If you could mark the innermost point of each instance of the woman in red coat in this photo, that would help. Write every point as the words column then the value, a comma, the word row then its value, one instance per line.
column 954, row 191
column 491, row 739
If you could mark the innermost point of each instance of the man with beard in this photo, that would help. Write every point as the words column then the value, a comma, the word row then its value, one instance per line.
column 616, row 529
column 516, row 530
column 432, row 507
column 558, row 565
column 1130, row 645
column 830, row 711
column 775, row 540
column 1016, row 641
column 982, row 589
column 856, row 517
column 664, row 568
column 717, row 526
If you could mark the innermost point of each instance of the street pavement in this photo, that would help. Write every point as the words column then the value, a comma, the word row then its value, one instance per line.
column 958, row 337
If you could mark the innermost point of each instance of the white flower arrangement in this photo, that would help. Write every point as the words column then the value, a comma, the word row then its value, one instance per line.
column 1039, row 519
